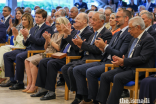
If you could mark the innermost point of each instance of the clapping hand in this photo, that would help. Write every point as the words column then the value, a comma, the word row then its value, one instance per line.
column 66, row 29
column 14, row 32
column 47, row 36
column 78, row 41
column 100, row 44
column 10, row 23
column 25, row 33
column 118, row 61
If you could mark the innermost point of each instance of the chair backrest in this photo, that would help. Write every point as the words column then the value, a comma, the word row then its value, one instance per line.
column 11, row 40
column 7, row 36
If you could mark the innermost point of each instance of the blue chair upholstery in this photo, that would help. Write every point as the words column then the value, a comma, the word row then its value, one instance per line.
column 7, row 36
column 11, row 40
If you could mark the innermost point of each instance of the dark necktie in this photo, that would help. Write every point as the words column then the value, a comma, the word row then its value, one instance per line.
column 132, row 46
column 37, row 28
column 67, row 46
column 118, row 35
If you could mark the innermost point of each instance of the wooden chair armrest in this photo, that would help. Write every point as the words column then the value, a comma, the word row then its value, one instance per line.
column 2, row 44
column 90, row 61
column 69, row 58
column 16, row 48
column 31, row 52
column 109, row 65
column 48, row 55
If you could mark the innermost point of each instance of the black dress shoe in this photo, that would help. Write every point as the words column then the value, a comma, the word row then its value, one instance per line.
column 125, row 94
column 48, row 97
column 17, row 86
column 60, row 83
column 76, row 101
column 38, row 94
column 9, row 83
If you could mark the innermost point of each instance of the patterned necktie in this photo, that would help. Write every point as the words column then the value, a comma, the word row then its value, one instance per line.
column 67, row 46
column 117, row 37
column 36, row 30
column 132, row 46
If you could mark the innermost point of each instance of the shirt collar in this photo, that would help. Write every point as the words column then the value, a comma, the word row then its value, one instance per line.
column 140, row 35
column 124, row 29
column 7, row 17
column 148, row 28
column 99, row 30
column 40, row 24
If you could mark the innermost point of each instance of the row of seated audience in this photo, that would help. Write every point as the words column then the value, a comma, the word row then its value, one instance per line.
column 118, row 38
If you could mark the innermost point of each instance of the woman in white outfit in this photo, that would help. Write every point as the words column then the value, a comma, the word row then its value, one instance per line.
column 27, row 23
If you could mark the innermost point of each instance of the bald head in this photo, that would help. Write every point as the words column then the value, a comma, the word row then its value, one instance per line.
column 101, row 10
column 81, row 21
column 73, row 12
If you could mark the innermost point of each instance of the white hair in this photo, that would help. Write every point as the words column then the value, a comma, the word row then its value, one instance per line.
column 138, row 21
column 101, row 9
column 62, row 12
column 101, row 16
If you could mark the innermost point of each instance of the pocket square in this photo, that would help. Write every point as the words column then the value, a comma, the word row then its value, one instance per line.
column 138, row 45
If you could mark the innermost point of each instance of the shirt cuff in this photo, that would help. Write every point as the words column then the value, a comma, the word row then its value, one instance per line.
column 27, row 38
column 104, row 49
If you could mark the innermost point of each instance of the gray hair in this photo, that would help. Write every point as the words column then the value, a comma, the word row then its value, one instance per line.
column 27, row 9
column 142, row 6
column 138, row 21
column 62, row 12
column 148, row 14
column 101, row 16
column 75, row 9
column 101, row 9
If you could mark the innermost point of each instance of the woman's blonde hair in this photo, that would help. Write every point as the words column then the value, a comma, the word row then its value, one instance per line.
column 29, row 18
column 62, row 20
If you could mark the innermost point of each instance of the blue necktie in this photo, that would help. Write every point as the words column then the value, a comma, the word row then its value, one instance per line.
column 67, row 46
column 92, row 41
column 94, row 38
column 132, row 46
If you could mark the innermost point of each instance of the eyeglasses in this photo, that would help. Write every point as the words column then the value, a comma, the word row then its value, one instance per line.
column 57, row 23
column 130, row 28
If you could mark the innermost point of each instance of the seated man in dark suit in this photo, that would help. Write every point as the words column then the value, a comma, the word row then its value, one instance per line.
column 48, row 67
column 149, row 5
column 2, row 33
column 6, row 16
column 148, row 19
column 117, row 46
column 81, row 4
column 73, row 13
column 33, row 40
column 90, row 52
column 140, row 54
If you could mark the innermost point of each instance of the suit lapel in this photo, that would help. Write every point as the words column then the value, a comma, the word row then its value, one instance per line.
column 121, row 36
column 40, row 29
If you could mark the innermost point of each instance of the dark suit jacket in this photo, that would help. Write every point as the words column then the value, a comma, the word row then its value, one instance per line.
column 150, row 9
column 154, row 26
column 120, row 47
column 152, row 32
column 74, row 50
column 143, row 55
column 83, row 5
column 135, row 7
column 7, row 21
column 2, row 33
column 36, row 42
column 95, row 52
